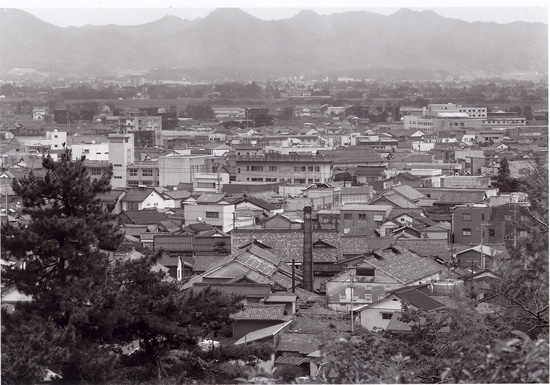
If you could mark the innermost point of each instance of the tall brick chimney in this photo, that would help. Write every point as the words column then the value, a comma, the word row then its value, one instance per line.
column 308, row 250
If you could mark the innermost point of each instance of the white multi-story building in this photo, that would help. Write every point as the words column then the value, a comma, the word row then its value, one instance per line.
column 121, row 154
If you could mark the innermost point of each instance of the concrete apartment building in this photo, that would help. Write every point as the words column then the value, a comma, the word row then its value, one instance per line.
column 174, row 169
column 439, row 117
column 292, row 168
column 210, row 208
column 357, row 216
column 499, row 224
column 121, row 154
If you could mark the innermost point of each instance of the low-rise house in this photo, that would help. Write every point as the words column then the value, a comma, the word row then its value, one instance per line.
column 256, row 317
column 114, row 198
column 378, row 273
column 252, row 293
column 141, row 217
column 283, row 222
column 290, row 301
column 294, row 349
column 212, row 209
column 479, row 257
column 379, row 315
column 142, row 198
column 289, row 245
column 174, row 198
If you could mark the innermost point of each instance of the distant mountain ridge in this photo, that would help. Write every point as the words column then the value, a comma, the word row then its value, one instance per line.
column 229, row 43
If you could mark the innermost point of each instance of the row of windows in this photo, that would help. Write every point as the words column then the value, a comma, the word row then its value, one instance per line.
column 275, row 168
column 289, row 180
column 144, row 172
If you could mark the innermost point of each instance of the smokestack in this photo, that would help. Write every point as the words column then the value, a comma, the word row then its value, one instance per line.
column 308, row 250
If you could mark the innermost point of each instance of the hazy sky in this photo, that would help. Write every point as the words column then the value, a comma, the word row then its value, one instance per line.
column 65, row 13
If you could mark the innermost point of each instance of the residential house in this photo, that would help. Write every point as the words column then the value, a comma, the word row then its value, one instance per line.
column 255, row 317
column 141, row 217
column 174, row 198
column 377, row 273
column 289, row 245
column 479, row 257
column 142, row 198
column 177, row 253
column 213, row 209
column 294, row 349
column 379, row 315
column 282, row 222
column 252, row 264
column 114, row 198
column 252, row 293
column 290, row 301
column 368, row 217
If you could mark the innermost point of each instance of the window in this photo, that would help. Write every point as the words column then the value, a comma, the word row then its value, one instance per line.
column 147, row 172
column 482, row 217
column 523, row 234
column 310, row 168
column 256, row 168
column 296, row 168
column 96, row 171
column 133, row 184
column 466, row 232
column 368, row 297
column 257, row 179
column 317, row 168
column 117, row 165
column 118, row 177
column 491, row 232
column 362, row 217
column 271, row 179
column 272, row 168
column 342, row 296
column 387, row 315
column 212, row 214
column 347, row 216
column 133, row 206
column 133, row 172
column 508, row 218
column 466, row 217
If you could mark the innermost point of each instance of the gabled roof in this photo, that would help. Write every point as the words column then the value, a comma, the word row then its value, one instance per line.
column 418, row 299
column 249, row 290
column 111, row 196
column 289, row 244
column 261, row 313
column 257, row 202
column 138, row 194
column 426, row 247
column 143, row 217
column 453, row 196
column 207, row 198
column 482, row 248
column 169, row 242
column 394, row 198
column 177, row 194
column 408, row 192
column 403, row 265
column 263, row 333
column 302, row 343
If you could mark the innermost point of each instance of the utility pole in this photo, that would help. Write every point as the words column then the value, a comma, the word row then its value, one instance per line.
column 351, row 286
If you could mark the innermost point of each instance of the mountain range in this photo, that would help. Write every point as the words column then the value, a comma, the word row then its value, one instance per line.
column 231, row 44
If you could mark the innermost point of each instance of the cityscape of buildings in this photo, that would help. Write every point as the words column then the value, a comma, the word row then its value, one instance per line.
column 350, row 195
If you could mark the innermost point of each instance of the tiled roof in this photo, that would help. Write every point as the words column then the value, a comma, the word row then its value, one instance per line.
column 143, row 217
column 403, row 265
column 250, row 290
column 303, row 343
column 394, row 198
column 426, row 247
column 355, row 154
column 137, row 194
column 169, row 242
column 257, row 202
column 261, row 312
column 281, row 298
column 408, row 192
column 110, row 196
column 418, row 299
column 289, row 244
column 210, row 198
column 241, row 188
column 202, row 263
column 177, row 194
column 453, row 196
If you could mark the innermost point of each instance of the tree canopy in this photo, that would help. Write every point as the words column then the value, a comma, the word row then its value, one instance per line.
column 95, row 316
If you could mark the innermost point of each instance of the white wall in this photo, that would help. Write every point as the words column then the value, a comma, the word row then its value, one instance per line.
column 371, row 317
column 224, row 220
column 95, row 151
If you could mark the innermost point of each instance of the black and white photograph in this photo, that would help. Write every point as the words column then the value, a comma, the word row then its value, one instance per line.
column 277, row 192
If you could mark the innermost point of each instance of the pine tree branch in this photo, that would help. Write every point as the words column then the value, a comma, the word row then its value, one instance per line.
column 539, row 221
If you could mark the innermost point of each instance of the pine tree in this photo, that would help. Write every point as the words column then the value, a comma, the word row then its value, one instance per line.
column 87, row 306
